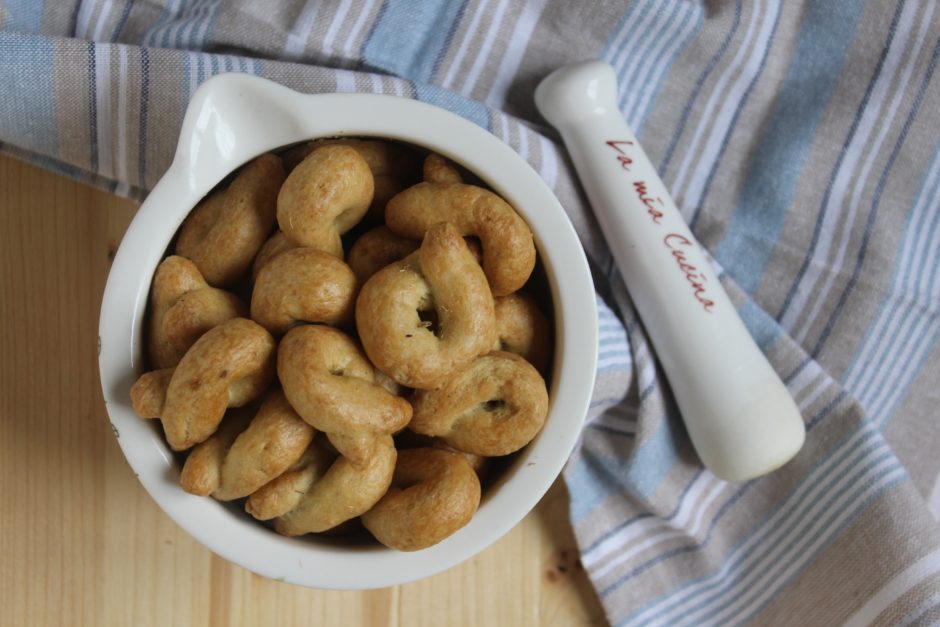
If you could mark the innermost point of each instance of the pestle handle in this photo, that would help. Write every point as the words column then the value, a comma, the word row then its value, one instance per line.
column 739, row 415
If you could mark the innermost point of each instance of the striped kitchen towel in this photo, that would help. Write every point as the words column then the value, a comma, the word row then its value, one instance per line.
column 800, row 139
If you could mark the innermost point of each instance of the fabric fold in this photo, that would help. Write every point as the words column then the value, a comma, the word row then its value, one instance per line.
column 806, row 157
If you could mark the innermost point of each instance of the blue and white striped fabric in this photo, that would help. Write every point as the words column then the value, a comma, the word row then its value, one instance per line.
column 800, row 140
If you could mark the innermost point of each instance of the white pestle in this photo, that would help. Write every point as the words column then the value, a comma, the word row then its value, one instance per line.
column 742, row 421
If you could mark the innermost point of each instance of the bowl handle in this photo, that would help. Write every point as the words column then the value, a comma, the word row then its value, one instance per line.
column 208, row 147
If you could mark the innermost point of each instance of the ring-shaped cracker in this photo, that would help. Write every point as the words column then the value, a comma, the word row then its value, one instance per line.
column 183, row 307
column 325, row 196
column 438, row 170
column 303, row 285
column 283, row 493
column 376, row 249
column 274, row 246
column 240, row 458
column 331, row 384
column 494, row 407
column 508, row 248
column 229, row 366
column 433, row 494
column 523, row 329
column 345, row 491
column 443, row 277
column 225, row 230
column 393, row 166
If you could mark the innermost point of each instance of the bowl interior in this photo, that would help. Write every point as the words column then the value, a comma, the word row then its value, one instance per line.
column 221, row 131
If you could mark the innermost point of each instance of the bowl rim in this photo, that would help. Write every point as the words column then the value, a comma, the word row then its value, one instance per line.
column 231, row 119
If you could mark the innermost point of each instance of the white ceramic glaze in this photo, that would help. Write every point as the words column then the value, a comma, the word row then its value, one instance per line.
column 739, row 415
column 233, row 118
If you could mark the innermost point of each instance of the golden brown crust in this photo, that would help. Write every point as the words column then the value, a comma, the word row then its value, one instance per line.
column 327, row 378
column 441, row 276
column 523, row 329
column 283, row 493
column 346, row 490
column 433, row 494
column 331, row 384
column 389, row 383
column 240, row 459
column 426, row 317
column 393, row 166
column 202, row 470
column 494, row 407
column 384, row 158
column 408, row 439
column 508, row 248
column 224, row 232
column 148, row 394
column 272, row 443
column 303, row 285
column 438, row 170
column 183, row 307
column 274, row 246
column 376, row 249
column 229, row 366
column 325, row 196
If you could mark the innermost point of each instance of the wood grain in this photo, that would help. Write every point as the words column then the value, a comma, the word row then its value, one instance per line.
column 81, row 541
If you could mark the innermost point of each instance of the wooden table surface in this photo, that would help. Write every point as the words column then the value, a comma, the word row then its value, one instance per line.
column 82, row 543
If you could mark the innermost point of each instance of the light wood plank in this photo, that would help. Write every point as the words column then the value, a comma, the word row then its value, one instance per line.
column 82, row 542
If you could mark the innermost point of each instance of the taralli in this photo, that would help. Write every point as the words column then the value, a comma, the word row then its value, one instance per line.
column 183, row 307
column 295, row 154
column 392, row 165
column 325, row 196
column 437, row 170
column 494, row 407
column 433, row 494
column 236, row 461
column 384, row 158
column 376, row 249
column 508, row 249
column 408, row 439
column 442, row 277
column 274, row 246
column 345, row 491
column 331, row 384
column 202, row 471
column 390, row 384
column 229, row 366
column 295, row 399
column 224, row 232
column 283, row 493
column 523, row 330
column 303, row 285
column 380, row 247
column 148, row 394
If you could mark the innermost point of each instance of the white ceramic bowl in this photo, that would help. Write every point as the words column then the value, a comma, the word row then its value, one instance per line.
column 235, row 117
